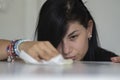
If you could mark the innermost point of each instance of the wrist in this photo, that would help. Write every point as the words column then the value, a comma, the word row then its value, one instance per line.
column 19, row 46
column 13, row 49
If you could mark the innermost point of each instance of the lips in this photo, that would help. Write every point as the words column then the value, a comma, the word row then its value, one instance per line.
column 72, row 57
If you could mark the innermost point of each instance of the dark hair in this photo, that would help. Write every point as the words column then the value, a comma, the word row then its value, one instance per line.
column 54, row 17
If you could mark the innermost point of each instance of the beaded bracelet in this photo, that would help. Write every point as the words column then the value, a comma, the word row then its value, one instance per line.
column 11, row 52
column 13, row 49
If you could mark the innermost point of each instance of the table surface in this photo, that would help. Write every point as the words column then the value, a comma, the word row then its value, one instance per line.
column 78, row 70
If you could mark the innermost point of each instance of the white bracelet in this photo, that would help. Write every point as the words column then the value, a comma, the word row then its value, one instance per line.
column 16, row 46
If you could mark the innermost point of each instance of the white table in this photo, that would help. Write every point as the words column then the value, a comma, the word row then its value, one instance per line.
column 75, row 71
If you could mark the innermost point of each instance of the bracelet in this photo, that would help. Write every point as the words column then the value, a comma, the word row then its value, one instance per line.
column 13, row 49
column 11, row 52
column 16, row 46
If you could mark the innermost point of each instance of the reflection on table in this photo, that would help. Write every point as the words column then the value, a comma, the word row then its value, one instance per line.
column 77, row 70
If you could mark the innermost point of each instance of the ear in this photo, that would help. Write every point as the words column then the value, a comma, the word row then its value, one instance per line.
column 90, row 28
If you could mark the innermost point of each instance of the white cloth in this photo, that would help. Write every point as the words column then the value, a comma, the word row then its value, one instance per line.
column 56, row 60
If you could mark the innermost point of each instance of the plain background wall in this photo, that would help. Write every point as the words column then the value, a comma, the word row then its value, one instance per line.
column 107, row 16
column 12, row 19
column 18, row 20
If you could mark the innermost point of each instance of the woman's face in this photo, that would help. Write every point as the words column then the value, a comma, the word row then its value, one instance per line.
column 75, row 43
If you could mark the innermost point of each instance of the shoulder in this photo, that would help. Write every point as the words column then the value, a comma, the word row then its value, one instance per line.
column 103, row 54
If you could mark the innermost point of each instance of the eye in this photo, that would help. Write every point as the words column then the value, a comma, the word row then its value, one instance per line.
column 73, row 37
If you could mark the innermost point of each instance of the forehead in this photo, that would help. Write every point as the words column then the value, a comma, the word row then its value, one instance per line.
column 73, row 26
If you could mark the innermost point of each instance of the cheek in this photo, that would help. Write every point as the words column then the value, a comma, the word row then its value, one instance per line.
column 81, row 47
column 59, row 48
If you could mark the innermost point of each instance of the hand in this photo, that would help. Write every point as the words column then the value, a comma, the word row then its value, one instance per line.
column 39, row 49
column 115, row 59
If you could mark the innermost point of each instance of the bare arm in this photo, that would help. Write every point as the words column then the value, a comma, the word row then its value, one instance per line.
column 38, row 50
column 3, row 46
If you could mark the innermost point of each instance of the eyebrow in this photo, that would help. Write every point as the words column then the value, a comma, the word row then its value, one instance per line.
column 72, row 33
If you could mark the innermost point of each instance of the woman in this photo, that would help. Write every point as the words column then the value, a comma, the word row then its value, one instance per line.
column 65, row 27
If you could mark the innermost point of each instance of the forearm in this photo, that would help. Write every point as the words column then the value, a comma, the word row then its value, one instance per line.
column 3, row 46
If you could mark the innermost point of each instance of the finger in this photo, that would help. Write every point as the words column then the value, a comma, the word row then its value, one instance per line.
column 40, row 51
column 43, row 54
column 53, row 50
column 33, row 54
column 115, row 59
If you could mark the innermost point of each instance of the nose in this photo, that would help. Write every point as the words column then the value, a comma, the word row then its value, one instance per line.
column 66, row 48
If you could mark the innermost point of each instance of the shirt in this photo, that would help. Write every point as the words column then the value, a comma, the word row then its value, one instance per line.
column 99, row 54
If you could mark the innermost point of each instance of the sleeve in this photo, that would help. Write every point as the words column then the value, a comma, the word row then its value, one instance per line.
column 103, row 55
